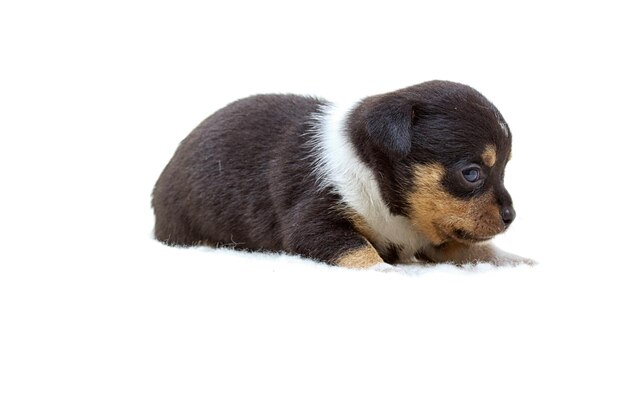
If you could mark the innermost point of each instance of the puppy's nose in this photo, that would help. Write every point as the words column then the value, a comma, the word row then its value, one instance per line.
column 508, row 215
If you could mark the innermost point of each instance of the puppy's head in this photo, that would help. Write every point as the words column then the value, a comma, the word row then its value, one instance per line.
column 440, row 149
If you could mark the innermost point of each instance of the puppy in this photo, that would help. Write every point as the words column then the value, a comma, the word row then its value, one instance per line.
column 415, row 174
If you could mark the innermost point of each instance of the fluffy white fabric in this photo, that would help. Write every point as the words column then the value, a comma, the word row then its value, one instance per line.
column 144, row 329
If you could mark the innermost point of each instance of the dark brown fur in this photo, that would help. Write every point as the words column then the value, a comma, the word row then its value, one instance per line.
column 243, row 179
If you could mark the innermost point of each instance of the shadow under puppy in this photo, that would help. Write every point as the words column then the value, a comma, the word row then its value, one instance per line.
column 412, row 174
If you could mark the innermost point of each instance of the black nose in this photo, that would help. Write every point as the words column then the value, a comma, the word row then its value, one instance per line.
column 508, row 214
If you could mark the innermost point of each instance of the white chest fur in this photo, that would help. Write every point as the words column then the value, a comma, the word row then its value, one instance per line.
column 340, row 168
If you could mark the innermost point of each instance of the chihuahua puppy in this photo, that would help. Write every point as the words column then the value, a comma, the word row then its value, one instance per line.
column 415, row 174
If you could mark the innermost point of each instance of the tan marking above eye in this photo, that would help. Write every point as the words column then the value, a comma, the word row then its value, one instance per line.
column 489, row 156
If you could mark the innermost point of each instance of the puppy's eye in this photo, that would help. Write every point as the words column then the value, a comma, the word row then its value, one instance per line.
column 472, row 174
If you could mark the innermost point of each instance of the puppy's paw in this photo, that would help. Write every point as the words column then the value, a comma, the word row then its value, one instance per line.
column 385, row 268
column 511, row 260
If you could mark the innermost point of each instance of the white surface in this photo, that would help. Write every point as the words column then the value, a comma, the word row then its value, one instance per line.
column 97, row 319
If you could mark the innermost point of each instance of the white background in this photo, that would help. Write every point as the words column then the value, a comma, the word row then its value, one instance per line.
column 98, row 319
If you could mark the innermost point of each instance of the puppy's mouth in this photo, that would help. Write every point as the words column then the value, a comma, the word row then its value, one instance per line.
column 466, row 237
column 460, row 235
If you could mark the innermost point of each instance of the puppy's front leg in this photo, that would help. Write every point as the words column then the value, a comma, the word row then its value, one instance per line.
column 458, row 253
column 335, row 244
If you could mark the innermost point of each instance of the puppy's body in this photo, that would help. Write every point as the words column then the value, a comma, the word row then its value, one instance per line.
column 356, row 185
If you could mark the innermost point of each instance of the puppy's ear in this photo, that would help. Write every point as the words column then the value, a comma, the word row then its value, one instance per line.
column 388, row 124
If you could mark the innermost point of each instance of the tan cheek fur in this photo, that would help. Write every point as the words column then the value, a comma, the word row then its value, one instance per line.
column 360, row 258
column 436, row 213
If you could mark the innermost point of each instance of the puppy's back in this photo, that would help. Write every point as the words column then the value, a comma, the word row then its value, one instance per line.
column 216, row 188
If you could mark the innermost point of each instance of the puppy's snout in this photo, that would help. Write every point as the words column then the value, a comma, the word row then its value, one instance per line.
column 508, row 215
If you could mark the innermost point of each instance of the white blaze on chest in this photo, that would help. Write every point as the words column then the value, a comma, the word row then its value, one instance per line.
column 340, row 168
